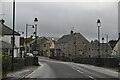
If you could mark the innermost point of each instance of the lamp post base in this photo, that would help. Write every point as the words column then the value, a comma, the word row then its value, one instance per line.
column 35, row 61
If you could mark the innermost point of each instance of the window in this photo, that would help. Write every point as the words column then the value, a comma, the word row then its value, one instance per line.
column 30, row 45
column 12, row 40
column 44, row 45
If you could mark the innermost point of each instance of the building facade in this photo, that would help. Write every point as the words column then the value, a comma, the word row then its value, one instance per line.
column 72, row 45
column 43, row 46
column 105, row 50
column 7, row 36
column 116, row 50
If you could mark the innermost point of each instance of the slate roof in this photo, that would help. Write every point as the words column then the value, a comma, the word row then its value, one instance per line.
column 113, row 43
column 7, row 31
column 67, row 38
column 39, row 40
column 102, row 46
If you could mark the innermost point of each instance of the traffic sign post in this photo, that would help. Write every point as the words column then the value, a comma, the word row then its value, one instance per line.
column 35, row 59
column 35, row 52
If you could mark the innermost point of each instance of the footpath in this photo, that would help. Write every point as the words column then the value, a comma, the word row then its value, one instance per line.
column 21, row 73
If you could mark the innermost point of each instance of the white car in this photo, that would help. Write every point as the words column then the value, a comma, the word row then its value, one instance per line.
column 30, row 54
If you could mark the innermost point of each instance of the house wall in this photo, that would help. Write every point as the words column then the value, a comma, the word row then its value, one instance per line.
column 7, row 38
column 43, row 47
column 116, row 50
column 52, row 45
column 104, row 49
column 69, row 49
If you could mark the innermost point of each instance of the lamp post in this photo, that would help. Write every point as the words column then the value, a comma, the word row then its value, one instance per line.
column 13, row 44
column 21, row 43
column 35, row 52
column 103, row 46
column 98, row 25
column 27, row 25
column 35, row 20
column 26, row 40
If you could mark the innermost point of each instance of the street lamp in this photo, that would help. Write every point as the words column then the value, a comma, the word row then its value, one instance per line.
column 26, row 40
column 98, row 24
column 21, row 43
column 103, row 46
column 27, row 25
column 35, row 21
column 35, row 52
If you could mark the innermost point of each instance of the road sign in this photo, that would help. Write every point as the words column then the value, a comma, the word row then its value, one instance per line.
column 35, row 52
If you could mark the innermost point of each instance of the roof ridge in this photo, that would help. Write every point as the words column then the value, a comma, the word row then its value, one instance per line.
column 7, row 32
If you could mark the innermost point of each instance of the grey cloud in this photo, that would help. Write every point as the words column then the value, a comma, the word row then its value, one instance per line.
column 57, row 19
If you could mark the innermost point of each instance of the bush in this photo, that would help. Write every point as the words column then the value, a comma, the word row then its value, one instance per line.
column 6, row 64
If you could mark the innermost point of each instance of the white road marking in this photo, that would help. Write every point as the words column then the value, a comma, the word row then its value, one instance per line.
column 91, row 77
column 80, row 71
column 74, row 68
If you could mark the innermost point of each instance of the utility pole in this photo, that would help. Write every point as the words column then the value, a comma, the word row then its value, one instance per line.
column 107, row 44
column 13, row 39
column 26, row 44
column 102, row 45
column 75, row 46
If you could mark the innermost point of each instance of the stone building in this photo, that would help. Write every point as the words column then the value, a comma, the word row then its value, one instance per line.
column 52, row 41
column 71, row 45
column 105, row 50
column 43, row 46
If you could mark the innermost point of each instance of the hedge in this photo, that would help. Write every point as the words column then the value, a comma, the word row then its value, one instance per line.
column 6, row 64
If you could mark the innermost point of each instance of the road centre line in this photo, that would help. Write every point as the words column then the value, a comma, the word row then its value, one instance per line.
column 84, row 73
column 78, row 70
column 91, row 77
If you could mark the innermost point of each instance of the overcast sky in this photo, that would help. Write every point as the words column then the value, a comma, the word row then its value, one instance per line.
column 57, row 18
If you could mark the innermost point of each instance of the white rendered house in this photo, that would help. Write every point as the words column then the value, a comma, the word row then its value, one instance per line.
column 7, row 36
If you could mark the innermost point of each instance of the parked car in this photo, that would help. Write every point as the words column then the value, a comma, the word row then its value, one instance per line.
column 30, row 54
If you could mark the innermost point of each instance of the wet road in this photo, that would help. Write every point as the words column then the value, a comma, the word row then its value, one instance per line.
column 58, row 69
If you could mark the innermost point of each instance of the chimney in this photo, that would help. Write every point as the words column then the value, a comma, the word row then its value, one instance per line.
column 2, row 21
column 71, row 32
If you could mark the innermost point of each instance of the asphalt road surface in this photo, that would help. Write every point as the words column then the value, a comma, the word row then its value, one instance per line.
column 58, row 69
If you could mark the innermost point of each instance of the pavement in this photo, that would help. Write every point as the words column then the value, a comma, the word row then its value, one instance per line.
column 58, row 69
column 21, row 73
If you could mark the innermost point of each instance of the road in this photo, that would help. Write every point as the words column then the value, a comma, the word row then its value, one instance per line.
column 58, row 69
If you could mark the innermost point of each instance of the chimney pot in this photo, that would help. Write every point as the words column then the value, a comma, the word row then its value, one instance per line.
column 71, row 32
